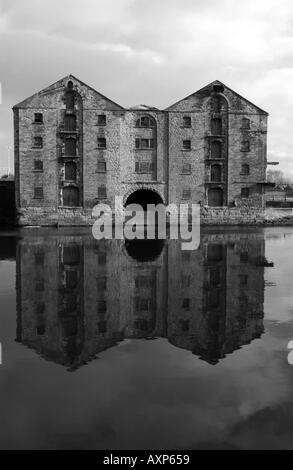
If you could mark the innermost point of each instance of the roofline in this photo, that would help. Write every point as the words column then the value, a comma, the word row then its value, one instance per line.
column 67, row 77
column 228, row 88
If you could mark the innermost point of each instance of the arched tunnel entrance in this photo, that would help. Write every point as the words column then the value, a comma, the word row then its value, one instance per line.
column 143, row 197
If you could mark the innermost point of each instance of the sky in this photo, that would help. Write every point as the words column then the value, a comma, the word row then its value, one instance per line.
column 153, row 52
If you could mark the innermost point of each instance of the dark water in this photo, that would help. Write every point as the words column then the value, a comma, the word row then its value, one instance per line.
column 145, row 346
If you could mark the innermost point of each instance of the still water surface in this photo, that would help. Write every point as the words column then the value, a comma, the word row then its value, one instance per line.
column 145, row 346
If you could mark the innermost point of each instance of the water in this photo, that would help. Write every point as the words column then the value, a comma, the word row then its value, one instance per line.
column 143, row 346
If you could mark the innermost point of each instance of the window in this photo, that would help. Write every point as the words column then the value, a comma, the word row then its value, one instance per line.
column 185, row 280
column 216, row 173
column 245, row 146
column 216, row 126
column 38, row 165
column 69, row 96
column 184, row 325
column 102, row 259
column 186, row 304
column 38, row 118
column 186, row 144
column 102, row 326
column 102, row 192
column 39, row 259
column 102, row 306
column 186, row 169
column 216, row 149
column 102, row 120
column 145, row 121
column 101, row 143
column 244, row 192
column 70, row 147
column 186, row 193
column 70, row 122
column 215, row 253
column 70, row 279
column 144, row 167
column 40, row 308
column 245, row 123
column 216, row 104
column 245, row 170
column 142, row 304
column 218, row 88
column 38, row 192
column 38, row 142
column 70, row 171
column 144, row 144
column 244, row 256
column 101, row 167
column 70, row 196
column 71, row 255
column 186, row 256
column 101, row 283
column 214, row 277
column 186, row 121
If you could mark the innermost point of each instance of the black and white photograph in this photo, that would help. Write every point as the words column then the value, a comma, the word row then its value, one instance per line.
column 146, row 228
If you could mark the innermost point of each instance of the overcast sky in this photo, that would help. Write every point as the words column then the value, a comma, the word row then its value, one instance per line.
column 152, row 52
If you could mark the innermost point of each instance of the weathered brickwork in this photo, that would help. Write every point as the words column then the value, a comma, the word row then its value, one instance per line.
column 75, row 148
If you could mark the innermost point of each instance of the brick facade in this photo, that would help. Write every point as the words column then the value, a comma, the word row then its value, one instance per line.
column 75, row 148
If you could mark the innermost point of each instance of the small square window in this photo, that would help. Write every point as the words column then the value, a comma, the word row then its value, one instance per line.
column 102, row 259
column 102, row 192
column 102, row 306
column 244, row 192
column 39, row 259
column 186, row 304
column 245, row 123
column 102, row 326
column 186, row 121
column 187, row 144
column 38, row 118
column 186, row 193
column 186, row 169
column 245, row 146
column 245, row 169
column 101, row 142
column 244, row 256
column 101, row 167
column 38, row 165
column 102, row 120
column 38, row 142
column 38, row 192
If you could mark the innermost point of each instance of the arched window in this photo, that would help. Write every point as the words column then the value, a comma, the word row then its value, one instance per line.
column 70, row 171
column 216, row 149
column 216, row 126
column 216, row 104
column 215, row 197
column 69, row 96
column 70, row 196
column 70, row 122
column 216, row 173
column 70, row 146
column 145, row 121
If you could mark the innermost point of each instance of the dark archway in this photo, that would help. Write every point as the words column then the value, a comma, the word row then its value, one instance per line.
column 215, row 197
column 144, row 250
column 144, row 197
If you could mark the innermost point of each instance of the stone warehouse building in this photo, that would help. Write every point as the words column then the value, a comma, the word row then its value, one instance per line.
column 74, row 148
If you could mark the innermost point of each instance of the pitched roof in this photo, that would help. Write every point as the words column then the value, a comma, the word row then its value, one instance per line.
column 59, row 84
column 207, row 87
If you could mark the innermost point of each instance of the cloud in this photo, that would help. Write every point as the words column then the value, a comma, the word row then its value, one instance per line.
column 129, row 50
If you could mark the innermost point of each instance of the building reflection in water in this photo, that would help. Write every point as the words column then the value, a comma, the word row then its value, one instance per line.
column 77, row 296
